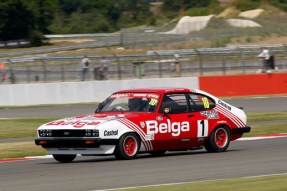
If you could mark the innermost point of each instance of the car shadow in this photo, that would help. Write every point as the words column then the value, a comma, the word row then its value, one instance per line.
column 141, row 156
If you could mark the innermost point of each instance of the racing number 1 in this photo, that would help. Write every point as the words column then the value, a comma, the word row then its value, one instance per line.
column 202, row 128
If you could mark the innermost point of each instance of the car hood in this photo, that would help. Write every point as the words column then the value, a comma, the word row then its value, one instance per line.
column 86, row 121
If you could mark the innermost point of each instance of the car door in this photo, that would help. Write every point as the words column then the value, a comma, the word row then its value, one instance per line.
column 171, row 130
column 201, row 110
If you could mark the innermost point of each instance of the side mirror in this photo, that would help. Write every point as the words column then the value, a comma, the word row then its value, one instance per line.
column 166, row 111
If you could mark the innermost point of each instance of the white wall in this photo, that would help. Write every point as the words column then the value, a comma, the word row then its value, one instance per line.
column 79, row 92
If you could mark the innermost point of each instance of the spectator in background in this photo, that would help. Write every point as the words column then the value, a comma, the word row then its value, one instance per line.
column 105, row 67
column 176, row 64
column 2, row 70
column 265, row 57
column 4, row 77
column 86, row 65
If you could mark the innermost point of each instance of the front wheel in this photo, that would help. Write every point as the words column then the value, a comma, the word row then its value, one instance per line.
column 219, row 140
column 64, row 158
column 127, row 147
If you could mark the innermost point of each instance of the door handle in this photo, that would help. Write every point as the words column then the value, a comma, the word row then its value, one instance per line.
column 190, row 116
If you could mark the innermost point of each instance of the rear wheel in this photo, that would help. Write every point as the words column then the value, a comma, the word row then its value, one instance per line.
column 127, row 147
column 64, row 158
column 219, row 140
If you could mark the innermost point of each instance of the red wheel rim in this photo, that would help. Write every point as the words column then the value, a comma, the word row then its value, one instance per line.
column 221, row 137
column 130, row 145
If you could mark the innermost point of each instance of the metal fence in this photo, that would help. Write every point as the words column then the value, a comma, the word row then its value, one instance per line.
column 153, row 65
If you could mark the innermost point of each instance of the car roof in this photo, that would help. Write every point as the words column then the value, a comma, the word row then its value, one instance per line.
column 158, row 90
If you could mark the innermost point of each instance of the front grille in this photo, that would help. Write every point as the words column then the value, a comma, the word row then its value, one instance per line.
column 68, row 133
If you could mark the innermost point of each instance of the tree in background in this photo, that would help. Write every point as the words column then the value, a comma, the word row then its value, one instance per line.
column 26, row 19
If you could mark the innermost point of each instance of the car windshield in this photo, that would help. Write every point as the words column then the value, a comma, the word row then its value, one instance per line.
column 135, row 102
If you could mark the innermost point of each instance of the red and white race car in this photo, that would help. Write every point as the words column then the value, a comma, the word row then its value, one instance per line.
column 152, row 121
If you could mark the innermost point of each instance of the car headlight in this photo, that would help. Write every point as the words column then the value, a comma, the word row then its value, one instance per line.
column 45, row 133
column 92, row 133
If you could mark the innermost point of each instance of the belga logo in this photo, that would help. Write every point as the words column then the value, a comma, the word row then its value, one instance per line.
column 174, row 128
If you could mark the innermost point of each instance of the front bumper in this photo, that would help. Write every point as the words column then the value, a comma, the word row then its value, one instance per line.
column 74, row 142
column 241, row 130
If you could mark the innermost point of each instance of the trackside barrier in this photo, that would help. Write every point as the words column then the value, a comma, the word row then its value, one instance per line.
column 243, row 85
column 80, row 92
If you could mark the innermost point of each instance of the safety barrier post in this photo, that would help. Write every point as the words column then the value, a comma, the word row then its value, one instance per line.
column 159, row 64
column 28, row 73
column 243, row 61
column 119, row 66
column 11, row 70
column 200, row 62
column 223, row 65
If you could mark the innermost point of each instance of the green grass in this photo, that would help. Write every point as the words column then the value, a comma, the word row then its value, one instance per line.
column 48, row 105
column 266, row 129
column 22, row 127
column 267, row 183
column 20, row 150
column 266, row 116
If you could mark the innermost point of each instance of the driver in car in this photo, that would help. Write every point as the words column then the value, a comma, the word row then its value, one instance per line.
column 134, row 104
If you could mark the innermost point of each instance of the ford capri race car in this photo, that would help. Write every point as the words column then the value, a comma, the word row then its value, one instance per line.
column 152, row 121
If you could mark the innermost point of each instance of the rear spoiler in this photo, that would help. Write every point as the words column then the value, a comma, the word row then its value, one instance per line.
column 240, row 108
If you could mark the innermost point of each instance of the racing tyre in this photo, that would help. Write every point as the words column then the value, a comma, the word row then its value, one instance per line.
column 127, row 147
column 157, row 153
column 64, row 158
column 219, row 140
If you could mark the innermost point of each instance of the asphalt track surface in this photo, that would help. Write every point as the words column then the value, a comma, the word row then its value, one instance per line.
column 248, row 104
column 243, row 158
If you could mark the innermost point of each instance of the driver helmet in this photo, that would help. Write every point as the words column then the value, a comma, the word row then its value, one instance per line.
column 134, row 103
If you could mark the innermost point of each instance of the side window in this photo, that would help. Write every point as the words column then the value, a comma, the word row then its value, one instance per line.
column 176, row 102
column 200, row 102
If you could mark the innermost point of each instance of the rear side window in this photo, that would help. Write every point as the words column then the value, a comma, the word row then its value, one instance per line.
column 176, row 102
column 200, row 102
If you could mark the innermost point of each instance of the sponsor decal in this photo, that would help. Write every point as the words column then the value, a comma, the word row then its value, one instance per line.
column 166, row 110
column 149, row 137
column 136, row 95
column 111, row 133
column 142, row 124
column 224, row 105
column 200, row 139
column 175, row 128
column 210, row 114
column 159, row 118
column 192, row 90
column 221, row 121
column 77, row 124
column 184, row 140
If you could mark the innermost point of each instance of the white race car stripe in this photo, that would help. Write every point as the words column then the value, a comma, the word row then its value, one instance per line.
column 132, row 128
column 138, row 128
column 237, row 118
column 227, row 115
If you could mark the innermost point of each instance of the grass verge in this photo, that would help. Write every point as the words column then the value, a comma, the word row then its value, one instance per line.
column 23, row 127
column 266, row 183
column 266, row 129
column 20, row 150
column 266, row 116
column 49, row 105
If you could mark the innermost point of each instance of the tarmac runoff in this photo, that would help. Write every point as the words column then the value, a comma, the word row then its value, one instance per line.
column 242, row 159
